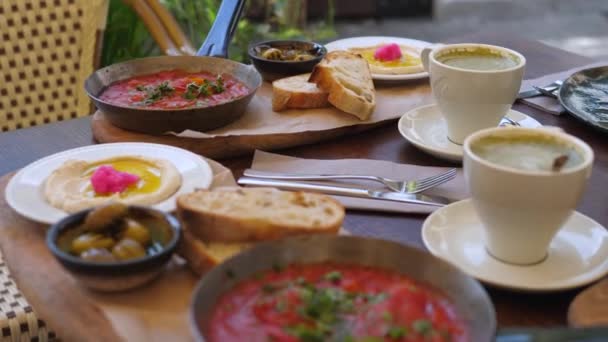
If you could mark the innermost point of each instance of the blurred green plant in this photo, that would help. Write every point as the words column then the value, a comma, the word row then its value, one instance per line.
column 126, row 37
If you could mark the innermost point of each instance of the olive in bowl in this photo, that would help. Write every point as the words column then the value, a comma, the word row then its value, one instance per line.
column 276, row 59
column 114, row 247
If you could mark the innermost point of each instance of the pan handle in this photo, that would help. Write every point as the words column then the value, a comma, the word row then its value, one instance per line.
column 220, row 34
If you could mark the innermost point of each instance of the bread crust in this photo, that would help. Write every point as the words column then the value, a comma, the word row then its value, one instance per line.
column 240, row 226
column 347, row 78
column 296, row 92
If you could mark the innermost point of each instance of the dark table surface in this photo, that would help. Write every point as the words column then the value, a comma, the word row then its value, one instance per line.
column 18, row 148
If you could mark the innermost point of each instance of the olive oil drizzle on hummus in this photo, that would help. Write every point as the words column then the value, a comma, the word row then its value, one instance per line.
column 148, row 173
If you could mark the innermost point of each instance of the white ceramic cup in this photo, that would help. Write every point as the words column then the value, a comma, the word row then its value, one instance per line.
column 471, row 100
column 521, row 211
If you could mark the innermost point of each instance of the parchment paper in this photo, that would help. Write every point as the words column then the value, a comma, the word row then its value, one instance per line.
column 454, row 189
column 259, row 119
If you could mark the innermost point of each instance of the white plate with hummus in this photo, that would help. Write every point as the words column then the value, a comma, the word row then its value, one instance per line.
column 136, row 173
column 406, row 65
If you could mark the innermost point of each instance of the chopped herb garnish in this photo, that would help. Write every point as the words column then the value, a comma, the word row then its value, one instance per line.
column 194, row 90
column 376, row 298
column 269, row 288
column 333, row 276
column 219, row 85
column 281, row 306
column 156, row 93
column 301, row 281
column 387, row 316
column 396, row 332
column 422, row 326
column 307, row 334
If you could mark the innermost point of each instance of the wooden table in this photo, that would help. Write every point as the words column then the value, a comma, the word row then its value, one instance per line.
column 514, row 309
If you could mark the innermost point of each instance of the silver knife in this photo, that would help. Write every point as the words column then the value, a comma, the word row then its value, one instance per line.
column 535, row 92
column 421, row 199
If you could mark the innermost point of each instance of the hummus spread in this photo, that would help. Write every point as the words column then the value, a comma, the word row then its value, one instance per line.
column 69, row 187
column 408, row 63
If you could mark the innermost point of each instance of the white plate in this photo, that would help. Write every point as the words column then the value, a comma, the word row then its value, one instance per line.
column 425, row 128
column 360, row 42
column 578, row 254
column 24, row 192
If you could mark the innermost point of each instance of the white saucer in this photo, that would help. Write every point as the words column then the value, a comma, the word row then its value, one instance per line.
column 578, row 255
column 358, row 42
column 24, row 191
column 426, row 129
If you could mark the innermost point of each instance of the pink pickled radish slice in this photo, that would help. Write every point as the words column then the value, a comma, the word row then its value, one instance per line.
column 107, row 180
column 388, row 52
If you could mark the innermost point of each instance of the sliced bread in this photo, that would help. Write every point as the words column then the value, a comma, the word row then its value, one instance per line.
column 348, row 80
column 202, row 256
column 256, row 214
column 297, row 92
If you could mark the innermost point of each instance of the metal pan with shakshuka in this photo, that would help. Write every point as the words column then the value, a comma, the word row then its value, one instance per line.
column 173, row 93
column 339, row 288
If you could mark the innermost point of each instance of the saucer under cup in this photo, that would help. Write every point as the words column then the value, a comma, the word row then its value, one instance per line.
column 578, row 255
column 425, row 128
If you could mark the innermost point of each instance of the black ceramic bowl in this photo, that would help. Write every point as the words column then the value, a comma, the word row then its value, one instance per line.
column 275, row 69
column 119, row 275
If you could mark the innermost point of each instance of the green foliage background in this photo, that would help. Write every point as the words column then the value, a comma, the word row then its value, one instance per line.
column 126, row 37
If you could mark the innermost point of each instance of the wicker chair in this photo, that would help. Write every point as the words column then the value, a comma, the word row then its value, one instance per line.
column 49, row 47
column 47, row 50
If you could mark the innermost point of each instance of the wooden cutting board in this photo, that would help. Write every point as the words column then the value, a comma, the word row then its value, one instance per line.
column 590, row 307
column 221, row 147
column 155, row 312
column 263, row 129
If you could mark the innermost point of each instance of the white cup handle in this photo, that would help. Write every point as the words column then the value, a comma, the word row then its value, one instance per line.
column 424, row 57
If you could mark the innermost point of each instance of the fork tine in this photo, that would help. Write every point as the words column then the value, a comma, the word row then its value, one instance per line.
column 434, row 177
column 433, row 184
column 440, row 179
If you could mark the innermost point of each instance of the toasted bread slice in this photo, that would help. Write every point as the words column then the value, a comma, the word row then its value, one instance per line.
column 297, row 92
column 202, row 256
column 256, row 214
column 347, row 78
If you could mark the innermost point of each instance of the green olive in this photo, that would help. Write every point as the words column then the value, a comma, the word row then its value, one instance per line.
column 98, row 255
column 127, row 249
column 136, row 231
column 302, row 57
column 103, row 216
column 273, row 54
column 91, row 240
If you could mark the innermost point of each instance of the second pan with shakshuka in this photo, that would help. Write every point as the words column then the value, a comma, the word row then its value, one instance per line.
column 155, row 95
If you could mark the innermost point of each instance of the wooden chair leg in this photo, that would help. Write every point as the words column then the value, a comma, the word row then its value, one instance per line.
column 155, row 27
column 172, row 27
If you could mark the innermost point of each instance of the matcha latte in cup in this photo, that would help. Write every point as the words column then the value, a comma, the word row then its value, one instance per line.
column 525, row 183
column 474, row 85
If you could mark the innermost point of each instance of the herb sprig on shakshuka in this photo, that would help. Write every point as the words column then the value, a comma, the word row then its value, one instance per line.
column 332, row 302
column 174, row 89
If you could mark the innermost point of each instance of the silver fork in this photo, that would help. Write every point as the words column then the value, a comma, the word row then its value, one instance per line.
column 407, row 186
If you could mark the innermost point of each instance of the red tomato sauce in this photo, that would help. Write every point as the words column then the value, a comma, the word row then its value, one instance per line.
column 333, row 302
column 174, row 89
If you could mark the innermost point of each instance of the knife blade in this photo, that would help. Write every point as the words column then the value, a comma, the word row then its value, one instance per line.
column 528, row 93
column 536, row 92
column 421, row 199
